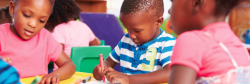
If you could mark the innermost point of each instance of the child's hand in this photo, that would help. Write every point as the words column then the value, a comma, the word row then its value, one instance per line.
column 6, row 59
column 50, row 79
column 113, row 76
column 97, row 72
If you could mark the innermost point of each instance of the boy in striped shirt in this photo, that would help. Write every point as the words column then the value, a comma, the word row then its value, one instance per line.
column 144, row 53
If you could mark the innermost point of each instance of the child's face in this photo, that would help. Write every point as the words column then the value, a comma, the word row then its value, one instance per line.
column 30, row 16
column 141, row 27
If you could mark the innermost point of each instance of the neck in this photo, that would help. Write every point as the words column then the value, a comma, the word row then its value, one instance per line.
column 213, row 20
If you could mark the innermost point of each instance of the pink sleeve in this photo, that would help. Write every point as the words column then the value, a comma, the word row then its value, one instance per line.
column 188, row 51
column 90, row 32
column 59, row 34
column 55, row 49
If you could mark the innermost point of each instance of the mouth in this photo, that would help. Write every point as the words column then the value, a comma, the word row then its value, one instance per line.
column 28, row 32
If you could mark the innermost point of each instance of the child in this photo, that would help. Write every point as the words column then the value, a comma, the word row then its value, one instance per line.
column 201, row 50
column 144, row 53
column 29, row 46
column 5, row 16
column 66, row 30
column 8, row 74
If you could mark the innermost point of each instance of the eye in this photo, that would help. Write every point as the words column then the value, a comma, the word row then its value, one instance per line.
column 27, row 16
column 137, row 31
column 42, row 21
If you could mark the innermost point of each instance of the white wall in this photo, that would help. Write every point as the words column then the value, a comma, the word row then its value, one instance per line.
column 115, row 5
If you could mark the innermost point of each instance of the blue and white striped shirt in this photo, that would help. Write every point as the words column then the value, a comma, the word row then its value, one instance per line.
column 8, row 74
column 140, row 59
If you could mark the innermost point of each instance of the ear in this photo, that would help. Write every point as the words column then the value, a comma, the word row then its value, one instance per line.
column 159, row 21
column 197, row 5
column 11, row 7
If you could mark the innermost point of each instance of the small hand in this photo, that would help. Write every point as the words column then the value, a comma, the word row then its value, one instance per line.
column 50, row 79
column 6, row 59
column 113, row 76
column 98, row 73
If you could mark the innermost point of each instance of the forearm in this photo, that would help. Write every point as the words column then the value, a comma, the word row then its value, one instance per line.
column 159, row 76
column 109, row 62
column 65, row 71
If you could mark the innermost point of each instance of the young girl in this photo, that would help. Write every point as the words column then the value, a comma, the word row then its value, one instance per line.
column 66, row 30
column 29, row 47
column 206, row 50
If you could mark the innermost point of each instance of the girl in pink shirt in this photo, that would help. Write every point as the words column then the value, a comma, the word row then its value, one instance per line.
column 200, row 54
column 29, row 47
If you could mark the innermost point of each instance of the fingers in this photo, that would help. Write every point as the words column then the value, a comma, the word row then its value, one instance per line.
column 49, row 80
column 55, row 80
column 98, row 74
column 109, row 69
column 8, row 60
column 111, row 76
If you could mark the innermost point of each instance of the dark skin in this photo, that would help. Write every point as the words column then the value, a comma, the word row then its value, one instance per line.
column 141, row 29
column 187, row 15
column 30, row 16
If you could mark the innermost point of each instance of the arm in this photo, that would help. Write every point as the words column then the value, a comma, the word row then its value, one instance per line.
column 62, row 46
column 65, row 71
column 183, row 73
column 95, row 42
column 159, row 76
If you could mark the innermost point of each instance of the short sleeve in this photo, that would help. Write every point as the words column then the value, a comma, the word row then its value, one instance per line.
column 167, row 51
column 188, row 51
column 54, row 49
column 115, row 54
column 8, row 74
column 59, row 34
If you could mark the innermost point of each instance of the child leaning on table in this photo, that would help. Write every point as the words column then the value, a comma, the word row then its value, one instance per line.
column 144, row 53
column 29, row 47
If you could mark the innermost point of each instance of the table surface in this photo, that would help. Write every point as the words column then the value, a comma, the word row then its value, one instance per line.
column 73, row 79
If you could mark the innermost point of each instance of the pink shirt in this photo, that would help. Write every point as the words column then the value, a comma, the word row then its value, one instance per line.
column 30, row 57
column 72, row 34
column 203, row 54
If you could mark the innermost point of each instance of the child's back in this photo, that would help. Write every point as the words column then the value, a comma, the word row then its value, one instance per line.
column 209, row 58
column 200, row 53
column 73, row 33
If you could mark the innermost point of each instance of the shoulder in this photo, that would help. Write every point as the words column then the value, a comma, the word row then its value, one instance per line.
column 4, row 27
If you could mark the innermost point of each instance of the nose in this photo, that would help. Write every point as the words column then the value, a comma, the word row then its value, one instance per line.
column 32, row 23
column 131, row 35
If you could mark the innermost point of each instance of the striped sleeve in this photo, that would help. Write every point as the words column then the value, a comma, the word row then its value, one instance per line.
column 8, row 74
column 115, row 54
column 167, row 51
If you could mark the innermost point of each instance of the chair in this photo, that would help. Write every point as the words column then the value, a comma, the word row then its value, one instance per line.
column 86, row 58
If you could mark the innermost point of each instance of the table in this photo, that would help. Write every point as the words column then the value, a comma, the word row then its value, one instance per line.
column 73, row 79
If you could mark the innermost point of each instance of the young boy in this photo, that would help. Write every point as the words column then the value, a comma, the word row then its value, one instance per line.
column 144, row 53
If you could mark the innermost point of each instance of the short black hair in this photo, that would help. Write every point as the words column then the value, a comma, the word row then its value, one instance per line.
column 155, row 7
column 223, row 7
column 4, row 14
column 64, row 11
